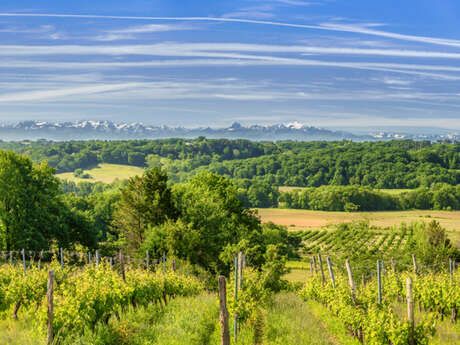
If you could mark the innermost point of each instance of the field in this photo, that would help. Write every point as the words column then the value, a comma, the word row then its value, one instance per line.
column 309, row 220
column 388, row 191
column 105, row 172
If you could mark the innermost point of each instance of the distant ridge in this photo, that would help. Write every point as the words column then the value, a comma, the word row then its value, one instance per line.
column 107, row 130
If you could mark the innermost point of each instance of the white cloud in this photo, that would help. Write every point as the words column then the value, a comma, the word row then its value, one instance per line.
column 58, row 93
column 324, row 26
column 131, row 32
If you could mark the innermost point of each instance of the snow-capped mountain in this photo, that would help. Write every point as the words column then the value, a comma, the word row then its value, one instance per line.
column 107, row 130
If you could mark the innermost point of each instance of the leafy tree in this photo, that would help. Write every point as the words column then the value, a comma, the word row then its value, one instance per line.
column 32, row 213
column 145, row 202
column 211, row 218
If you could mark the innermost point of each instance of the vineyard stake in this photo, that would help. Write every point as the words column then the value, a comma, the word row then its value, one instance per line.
column 11, row 258
column 111, row 261
column 331, row 271
column 240, row 270
column 379, row 280
column 451, row 269
column 235, row 324
column 350, row 280
column 223, row 313
column 164, row 262
column 311, row 267
column 40, row 257
column 314, row 264
column 320, row 263
column 89, row 258
column 61, row 254
column 147, row 259
column 393, row 265
column 410, row 309
column 414, row 262
column 24, row 260
column 122, row 265
column 49, row 298
column 173, row 264
column 98, row 259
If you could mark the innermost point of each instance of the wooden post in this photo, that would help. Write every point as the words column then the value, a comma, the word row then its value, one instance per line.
column 173, row 264
column 351, row 281
column 61, row 254
column 393, row 265
column 223, row 314
column 414, row 262
column 122, row 265
column 311, row 267
column 11, row 258
column 314, row 264
column 410, row 309
column 363, row 279
column 240, row 270
column 164, row 262
column 331, row 271
column 320, row 263
column 98, row 259
column 379, row 282
column 24, row 260
column 111, row 261
column 40, row 257
column 147, row 259
column 451, row 269
column 235, row 317
column 49, row 298
column 89, row 258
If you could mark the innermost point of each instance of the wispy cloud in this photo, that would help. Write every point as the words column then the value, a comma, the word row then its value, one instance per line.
column 324, row 26
column 51, row 94
column 132, row 32
column 211, row 49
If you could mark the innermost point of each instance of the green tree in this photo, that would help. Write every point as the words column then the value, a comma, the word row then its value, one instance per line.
column 32, row 212
column 145, row 202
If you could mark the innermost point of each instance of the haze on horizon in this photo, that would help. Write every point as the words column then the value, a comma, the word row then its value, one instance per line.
column 190, row 63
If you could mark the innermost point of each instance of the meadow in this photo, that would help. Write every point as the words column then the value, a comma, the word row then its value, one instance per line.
column 105, row 172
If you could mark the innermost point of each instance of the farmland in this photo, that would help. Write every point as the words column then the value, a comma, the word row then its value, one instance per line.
column 105, row 172
column 310, row 220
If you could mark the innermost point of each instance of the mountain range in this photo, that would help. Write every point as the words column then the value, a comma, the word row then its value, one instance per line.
column 107, row 130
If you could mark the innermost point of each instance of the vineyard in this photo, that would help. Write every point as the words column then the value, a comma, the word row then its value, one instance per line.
column 359, row 239
column 369, row 308
column 85, row 295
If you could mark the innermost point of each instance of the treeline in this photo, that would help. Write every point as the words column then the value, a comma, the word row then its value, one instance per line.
column 392, row 164
column 357, row 198
column 395, row 164
column 71, row 155
column 202, row 221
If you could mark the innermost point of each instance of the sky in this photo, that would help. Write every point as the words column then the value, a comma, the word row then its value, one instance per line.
column 325, row 63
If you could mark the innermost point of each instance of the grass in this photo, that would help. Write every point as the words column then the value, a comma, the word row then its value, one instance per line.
column 105, row 172
column 308, row 220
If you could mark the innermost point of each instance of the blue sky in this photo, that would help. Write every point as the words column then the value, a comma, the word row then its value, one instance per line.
column 197, row 62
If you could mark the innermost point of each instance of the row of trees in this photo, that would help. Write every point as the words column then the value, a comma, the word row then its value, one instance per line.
column 357, row 198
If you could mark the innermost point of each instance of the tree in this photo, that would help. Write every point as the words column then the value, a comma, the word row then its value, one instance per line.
column 212, row 218
column 145, row 202
column 32, row 212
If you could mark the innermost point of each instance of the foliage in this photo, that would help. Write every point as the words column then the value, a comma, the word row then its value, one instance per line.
column 145, row 202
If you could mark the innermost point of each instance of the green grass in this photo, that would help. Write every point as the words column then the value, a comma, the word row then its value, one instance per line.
column 105, row 172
